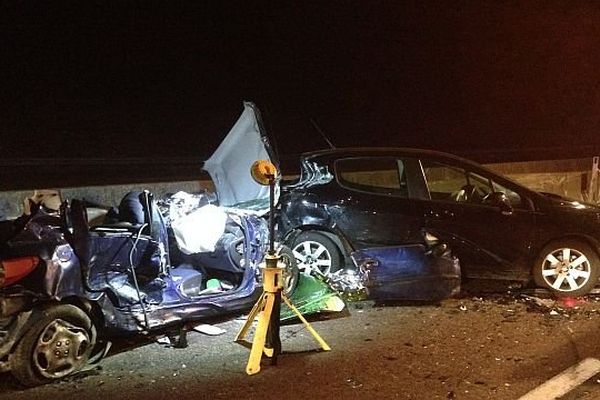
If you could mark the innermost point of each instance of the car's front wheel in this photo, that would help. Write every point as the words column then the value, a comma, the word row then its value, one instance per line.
column 567, row 268
column 316, row 253
column 58, row 344
column 290, row 272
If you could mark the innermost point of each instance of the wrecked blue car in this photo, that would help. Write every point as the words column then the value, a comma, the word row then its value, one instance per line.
column 67, row 287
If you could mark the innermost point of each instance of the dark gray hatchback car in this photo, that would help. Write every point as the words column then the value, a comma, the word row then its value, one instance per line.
column 355, row 199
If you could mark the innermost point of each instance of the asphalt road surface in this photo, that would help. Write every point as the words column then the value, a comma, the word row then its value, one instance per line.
column 490, row 347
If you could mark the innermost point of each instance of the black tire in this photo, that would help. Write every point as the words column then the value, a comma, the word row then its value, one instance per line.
column 574, row 277
column 314, row 250
column 58, row 344
column 291, row 274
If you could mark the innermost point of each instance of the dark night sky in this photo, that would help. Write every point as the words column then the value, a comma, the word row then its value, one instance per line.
column 167, row 78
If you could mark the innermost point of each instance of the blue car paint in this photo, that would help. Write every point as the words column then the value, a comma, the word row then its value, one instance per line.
column 409, row 272
column 96, row 267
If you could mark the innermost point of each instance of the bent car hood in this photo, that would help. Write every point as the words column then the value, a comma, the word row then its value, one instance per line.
column 229, row 166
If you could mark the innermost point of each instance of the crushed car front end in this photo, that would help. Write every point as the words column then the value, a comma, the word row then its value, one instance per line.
column 37, row 267
column 13, row 321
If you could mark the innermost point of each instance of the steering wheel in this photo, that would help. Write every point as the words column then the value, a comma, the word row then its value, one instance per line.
column 469, row 193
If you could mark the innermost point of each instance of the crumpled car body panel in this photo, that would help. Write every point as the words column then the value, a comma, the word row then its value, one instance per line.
column 410, row 272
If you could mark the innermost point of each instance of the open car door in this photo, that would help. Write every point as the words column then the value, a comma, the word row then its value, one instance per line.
column 229, row 166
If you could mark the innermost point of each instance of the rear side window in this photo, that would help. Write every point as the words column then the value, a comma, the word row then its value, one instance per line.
column 379, row 175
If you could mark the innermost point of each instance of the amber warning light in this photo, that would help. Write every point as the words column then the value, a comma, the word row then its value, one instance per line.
column 15, row 269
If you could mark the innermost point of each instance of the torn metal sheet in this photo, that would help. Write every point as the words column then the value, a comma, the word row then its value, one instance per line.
column 180, row 204
column 350, row 284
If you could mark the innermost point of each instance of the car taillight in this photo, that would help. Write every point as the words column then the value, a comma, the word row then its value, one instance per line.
column 16, row 269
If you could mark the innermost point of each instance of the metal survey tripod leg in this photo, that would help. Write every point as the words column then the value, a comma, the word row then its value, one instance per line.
column 273, row 339
column 267, row 310
column 308, row 326
column 260, row 336
column 258, row 306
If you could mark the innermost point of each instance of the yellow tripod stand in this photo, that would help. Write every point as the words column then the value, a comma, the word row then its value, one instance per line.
column 266, row 337
column 267, row 308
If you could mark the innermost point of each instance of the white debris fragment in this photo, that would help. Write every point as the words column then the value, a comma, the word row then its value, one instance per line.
column 210, row 330
column 164, row 340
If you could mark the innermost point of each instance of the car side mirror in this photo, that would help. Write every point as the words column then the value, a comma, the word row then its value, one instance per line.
column 500, row 200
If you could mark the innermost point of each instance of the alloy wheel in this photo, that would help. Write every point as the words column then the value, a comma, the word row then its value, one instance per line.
column 566, row 269
column 313, row 257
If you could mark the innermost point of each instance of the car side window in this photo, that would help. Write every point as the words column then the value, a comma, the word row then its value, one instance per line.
column 379, row 175
column 450, row 183
column 444, row 182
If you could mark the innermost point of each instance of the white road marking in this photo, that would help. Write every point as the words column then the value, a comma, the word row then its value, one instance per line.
column 565, row 381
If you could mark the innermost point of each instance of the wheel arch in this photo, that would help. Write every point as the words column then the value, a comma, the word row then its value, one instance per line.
column 585, row 239
column 345, row 248
column 589, row 249
column 89, row 308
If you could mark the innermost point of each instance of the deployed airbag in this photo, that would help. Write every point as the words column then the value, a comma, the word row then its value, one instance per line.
column 200, row 230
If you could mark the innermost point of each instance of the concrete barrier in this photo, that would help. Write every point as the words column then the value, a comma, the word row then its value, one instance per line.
column 11, row 202
column 568, row 178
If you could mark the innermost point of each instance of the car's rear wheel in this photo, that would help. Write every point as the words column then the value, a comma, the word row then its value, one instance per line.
column 316, row 253
column 567, row 268
column 59, row 343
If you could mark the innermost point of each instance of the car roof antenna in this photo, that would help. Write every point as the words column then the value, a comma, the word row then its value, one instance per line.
column 323, row 135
